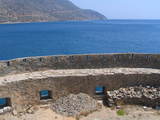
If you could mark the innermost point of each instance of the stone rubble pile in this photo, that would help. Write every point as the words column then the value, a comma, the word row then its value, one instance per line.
column 74, row 105
column 5, row 110
column 148, row 96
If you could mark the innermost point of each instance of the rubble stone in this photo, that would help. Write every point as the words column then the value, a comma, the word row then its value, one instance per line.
column 74, row 105
column 148, row 96
column 14, row 112
column 5, row 110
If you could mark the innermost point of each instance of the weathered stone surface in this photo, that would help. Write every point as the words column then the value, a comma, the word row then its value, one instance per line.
column 14, row 112
column 74, row 105
column 79, row 62
column 148, row 96
column 25, row 91
column 75, row 72
column 5, row 110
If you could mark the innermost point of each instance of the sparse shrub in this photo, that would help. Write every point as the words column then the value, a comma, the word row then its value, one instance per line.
column 121, row 112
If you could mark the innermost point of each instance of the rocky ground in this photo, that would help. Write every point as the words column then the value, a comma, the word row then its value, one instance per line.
column 82, row 107
column 40, row 113
column 131, row 113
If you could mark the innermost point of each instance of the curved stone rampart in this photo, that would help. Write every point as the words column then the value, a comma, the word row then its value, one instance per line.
column 79, row 62
column 22, row 79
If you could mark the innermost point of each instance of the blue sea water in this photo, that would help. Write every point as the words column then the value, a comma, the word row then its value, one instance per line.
column 57, row 38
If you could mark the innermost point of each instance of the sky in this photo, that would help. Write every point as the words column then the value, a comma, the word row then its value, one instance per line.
column 123, row 9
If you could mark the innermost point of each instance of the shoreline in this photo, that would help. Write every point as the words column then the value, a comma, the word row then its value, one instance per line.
column 2, row 23
column 56, row 21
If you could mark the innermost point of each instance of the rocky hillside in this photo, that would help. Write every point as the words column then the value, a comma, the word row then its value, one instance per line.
column 44, row 10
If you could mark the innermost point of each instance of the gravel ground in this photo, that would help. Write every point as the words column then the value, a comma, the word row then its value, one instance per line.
column 74, row 105
column 131, row 113
column 42, row 113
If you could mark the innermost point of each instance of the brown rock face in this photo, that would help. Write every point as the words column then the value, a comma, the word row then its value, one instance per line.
column 43, row 10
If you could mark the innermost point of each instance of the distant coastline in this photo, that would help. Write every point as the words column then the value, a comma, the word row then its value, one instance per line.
column 52, row 21
column 22, row 11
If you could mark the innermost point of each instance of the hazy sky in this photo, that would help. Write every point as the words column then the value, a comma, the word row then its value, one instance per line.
column 123, row 9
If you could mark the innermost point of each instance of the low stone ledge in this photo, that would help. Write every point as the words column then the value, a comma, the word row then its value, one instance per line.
column 75, row 72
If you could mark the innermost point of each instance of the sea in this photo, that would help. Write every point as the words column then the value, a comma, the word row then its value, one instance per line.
column 79, row 37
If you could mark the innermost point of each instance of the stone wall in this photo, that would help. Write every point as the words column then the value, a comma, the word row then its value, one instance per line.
column 137, row 95
column 27, row 92
column 80, row 62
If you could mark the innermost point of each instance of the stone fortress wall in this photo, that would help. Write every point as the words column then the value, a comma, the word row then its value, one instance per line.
column 80, row 62
column 26, row 91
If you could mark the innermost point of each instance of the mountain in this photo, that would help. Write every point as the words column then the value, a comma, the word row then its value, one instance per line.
column 44, row 10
